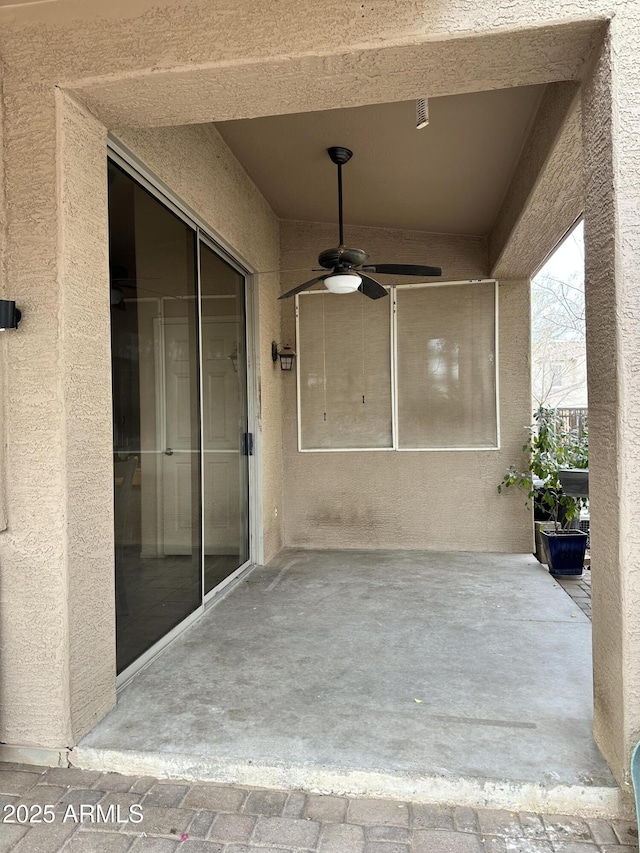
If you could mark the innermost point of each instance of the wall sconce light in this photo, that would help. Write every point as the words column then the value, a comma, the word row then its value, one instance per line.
column 10, row 316
column 285, row 354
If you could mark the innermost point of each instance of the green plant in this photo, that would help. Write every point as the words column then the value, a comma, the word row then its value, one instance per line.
column 550, row 447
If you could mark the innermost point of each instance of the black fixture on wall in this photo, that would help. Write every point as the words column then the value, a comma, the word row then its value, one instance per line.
column 10, row 316
column 285, row 354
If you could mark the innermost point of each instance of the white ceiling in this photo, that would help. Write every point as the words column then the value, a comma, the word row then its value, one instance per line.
column 450, row 177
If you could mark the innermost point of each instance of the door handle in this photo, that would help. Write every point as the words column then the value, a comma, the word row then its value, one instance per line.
column 168, row 452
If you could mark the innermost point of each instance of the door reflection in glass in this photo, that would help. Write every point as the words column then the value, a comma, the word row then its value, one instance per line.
column 224, row 418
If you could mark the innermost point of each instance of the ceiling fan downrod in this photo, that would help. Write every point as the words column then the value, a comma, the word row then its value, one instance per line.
column 340, row 156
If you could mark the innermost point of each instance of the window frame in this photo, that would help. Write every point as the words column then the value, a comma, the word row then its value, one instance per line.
column 393, row 350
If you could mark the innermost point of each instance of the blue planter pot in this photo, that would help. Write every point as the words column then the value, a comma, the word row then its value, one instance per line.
column 565, row 551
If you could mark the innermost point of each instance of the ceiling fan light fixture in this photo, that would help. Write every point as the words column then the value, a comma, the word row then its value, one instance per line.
column 343, row 282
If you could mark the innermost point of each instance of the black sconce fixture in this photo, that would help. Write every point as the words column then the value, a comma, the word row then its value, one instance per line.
column 10, row 316
column 285, row 354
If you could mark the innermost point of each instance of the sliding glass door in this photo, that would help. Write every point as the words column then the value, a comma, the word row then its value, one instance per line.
column 181, row 437
column 226, row 440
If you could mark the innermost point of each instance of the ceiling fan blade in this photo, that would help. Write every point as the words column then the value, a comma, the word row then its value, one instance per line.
column 303, row 286
column 298, row 269
column 403, row 269
column 371, row 288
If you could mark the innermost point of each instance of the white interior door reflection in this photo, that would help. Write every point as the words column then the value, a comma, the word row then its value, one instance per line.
column 176, row 483
column 223, row 432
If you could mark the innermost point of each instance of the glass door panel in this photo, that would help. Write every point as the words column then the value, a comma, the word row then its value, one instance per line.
column 154, row 333
column 224, row 418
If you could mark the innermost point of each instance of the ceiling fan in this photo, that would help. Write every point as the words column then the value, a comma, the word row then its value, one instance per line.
column 120, row 279
column 348, row 271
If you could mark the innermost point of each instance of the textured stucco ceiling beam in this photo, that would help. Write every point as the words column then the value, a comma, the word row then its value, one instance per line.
column 243, row 88
column 546, row 194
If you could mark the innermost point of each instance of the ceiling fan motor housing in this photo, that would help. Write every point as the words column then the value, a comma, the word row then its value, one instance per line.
column 331, row 258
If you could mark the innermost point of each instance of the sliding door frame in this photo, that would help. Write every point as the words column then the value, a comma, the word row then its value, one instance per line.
column 223, row 587
column 129, row 163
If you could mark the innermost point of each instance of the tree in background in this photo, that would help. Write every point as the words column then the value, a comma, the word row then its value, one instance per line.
column 558, row 347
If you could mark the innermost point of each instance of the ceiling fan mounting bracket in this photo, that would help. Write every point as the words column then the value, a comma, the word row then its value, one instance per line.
column 339, row 155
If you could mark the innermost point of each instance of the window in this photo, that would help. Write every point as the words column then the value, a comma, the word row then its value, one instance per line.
column 446, row 376
column 344, row 372
column 417, row 371
column 557, row 371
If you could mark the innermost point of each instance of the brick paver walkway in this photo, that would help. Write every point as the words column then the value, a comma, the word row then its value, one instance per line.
column 579, row 589
column 94, row 813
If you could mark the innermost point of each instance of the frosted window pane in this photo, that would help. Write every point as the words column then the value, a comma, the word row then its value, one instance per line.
column 446, row 366
column 345, row 376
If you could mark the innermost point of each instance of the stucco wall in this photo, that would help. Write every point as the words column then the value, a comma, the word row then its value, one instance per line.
column 612, row 189
column 196, row 164
column 86, row 388
column 57, row 661
column 34, row 652
column 3, row 292
column 546, row 195
column 409, row 499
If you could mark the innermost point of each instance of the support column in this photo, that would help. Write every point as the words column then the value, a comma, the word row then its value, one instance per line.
column 85, row 324
column 611, row 105
column 57, row 654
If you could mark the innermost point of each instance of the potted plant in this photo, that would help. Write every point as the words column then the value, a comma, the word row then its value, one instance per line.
column 550, row 447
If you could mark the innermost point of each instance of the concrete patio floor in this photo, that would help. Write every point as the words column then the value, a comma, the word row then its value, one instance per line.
column 439, row 677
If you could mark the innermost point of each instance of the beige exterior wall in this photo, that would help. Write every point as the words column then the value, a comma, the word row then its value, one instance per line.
column 155, row 62
column 87, row 470
column 409, row 499
column 546, row 195
column 35, row 652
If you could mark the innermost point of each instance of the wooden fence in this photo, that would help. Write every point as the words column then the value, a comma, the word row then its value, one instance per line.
column 574, row 419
